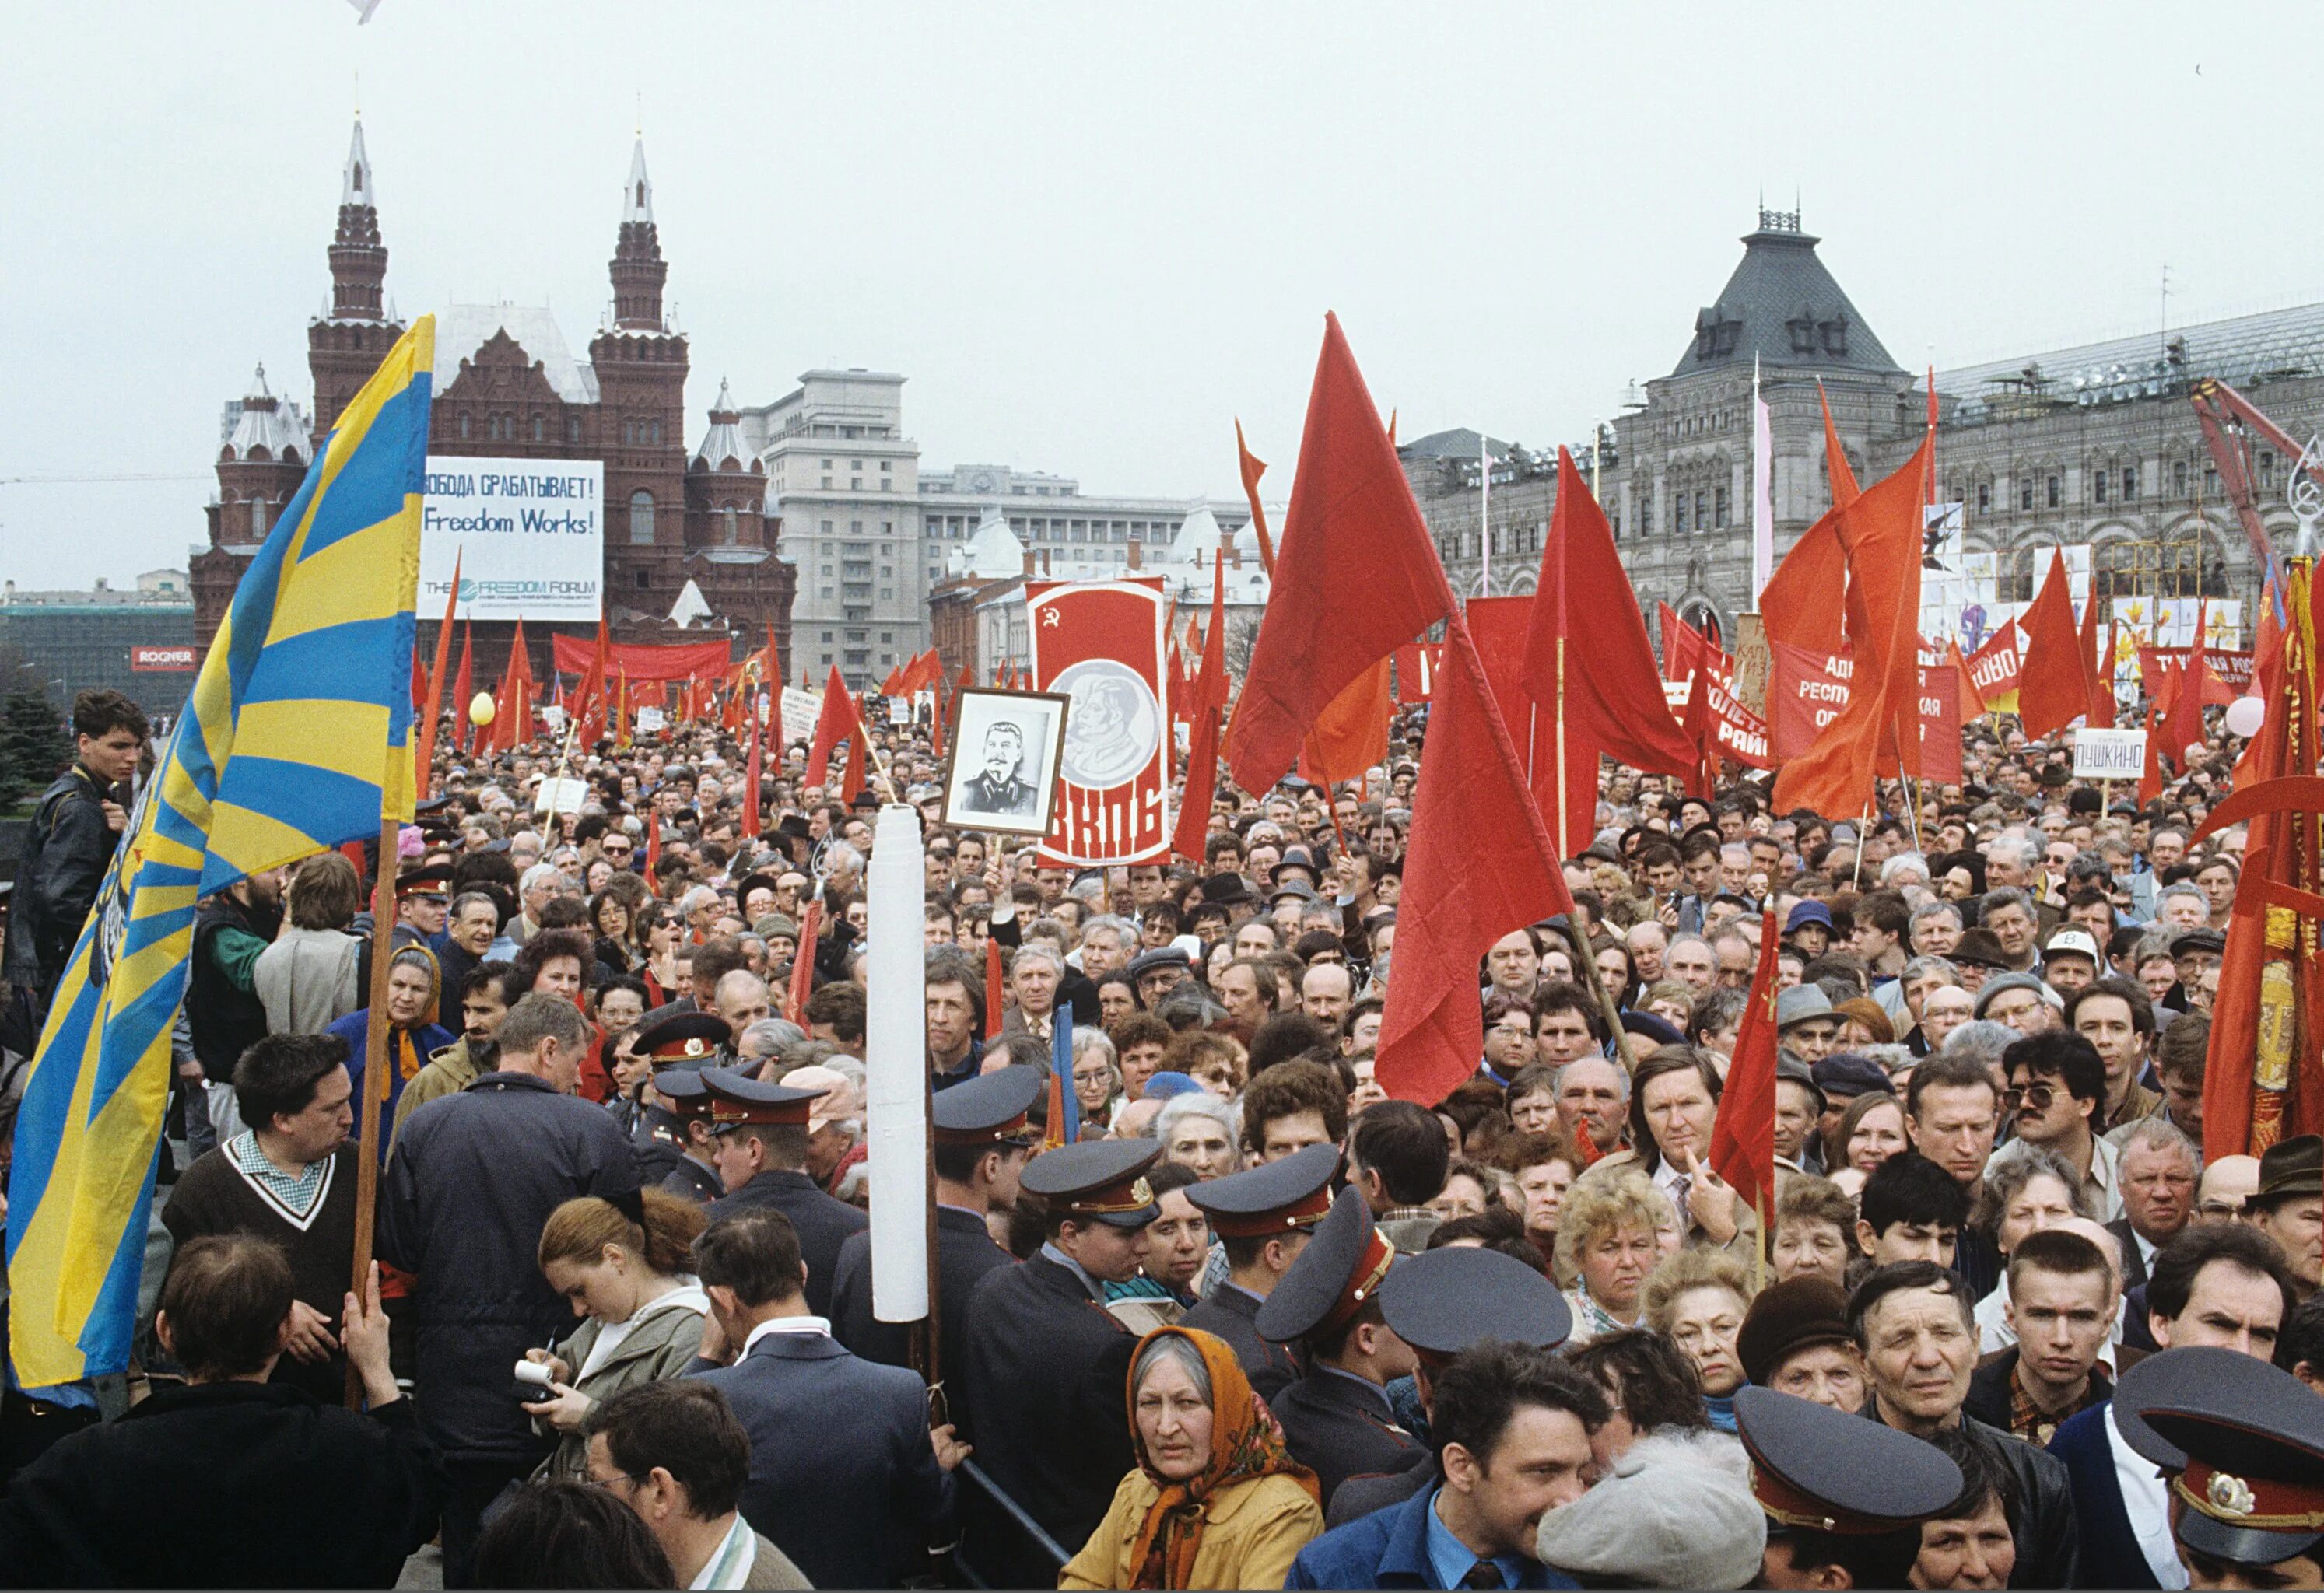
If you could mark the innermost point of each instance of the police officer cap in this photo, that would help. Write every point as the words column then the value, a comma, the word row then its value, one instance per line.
column 682, row 1040
column 430, row 879
column 1444, row 1302
column 739, row 1100
column 1101, row 1179
column 988, row 1110
column 1277, row 1197
column 2251, row 1442
column 682, row 1090
column 1341, row 1267
column 1815, row 1468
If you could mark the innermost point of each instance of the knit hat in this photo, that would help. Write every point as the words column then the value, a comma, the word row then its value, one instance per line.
column 775, row 924
column 1791, row 1315
column 1675, row 1512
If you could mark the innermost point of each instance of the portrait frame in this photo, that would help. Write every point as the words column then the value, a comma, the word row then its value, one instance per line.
column 1039, row 719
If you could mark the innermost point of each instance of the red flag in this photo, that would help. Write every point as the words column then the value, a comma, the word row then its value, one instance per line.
column 463, row 684
column 1971, row 699
column 2102, row 706
column 859, row 757
column 751, row 780
column 992, row 977
column 1994, row 671
column 514, row 722
column 802, row 982
column 1252, row 467
column 1743, row 1134
column 833, row 725
column 1357, row 574
column 1478, row 864
column 2149, row 776
column 1804, row 601
column 1351, row 736
column 1844, row 489
column 1568, row 807
column 2182, row 721
column 1881, row 531
column 653, row 844
column 895, row 679
column 1208, row 697
column 1605, row 679
column 2053, row 685
column 424, row 761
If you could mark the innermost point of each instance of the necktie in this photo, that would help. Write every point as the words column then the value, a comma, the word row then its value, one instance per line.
column 1484, row 1574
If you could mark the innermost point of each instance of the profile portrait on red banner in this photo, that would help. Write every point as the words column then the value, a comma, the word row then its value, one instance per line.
column 1003, row 771
column 1103, row 645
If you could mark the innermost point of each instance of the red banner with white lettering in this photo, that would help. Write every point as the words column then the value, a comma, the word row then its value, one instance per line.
column 1806, row 690
column 1994, row 668
column 1103, row 644
column 638, row 662
column 2234, row 670
column 1742, row 734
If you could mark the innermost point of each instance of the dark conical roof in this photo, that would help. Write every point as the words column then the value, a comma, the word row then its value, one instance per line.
column 1783, row 306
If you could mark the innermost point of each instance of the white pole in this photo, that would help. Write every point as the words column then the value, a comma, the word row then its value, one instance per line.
column 1485, row 517
column 1763, row 490
column 895, row 1068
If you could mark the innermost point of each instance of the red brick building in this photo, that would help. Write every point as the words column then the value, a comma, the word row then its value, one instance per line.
column 506, row 386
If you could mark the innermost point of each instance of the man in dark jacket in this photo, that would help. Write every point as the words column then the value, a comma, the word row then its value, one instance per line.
column 471, row 1179
column 847, row 1476
column 70, row 840
column 761, row 1153
column 275, row 1490
column 1913, row 1321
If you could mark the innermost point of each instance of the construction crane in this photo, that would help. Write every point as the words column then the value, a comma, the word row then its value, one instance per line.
column 2225, row 415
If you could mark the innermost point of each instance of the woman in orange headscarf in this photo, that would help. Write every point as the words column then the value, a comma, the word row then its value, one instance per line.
column 1216, row 1500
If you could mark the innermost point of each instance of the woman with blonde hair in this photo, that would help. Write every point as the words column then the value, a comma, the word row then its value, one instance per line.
column 1216, row 1500
column 1612, row 1232
column 1697, row 1300
column 641, row 1310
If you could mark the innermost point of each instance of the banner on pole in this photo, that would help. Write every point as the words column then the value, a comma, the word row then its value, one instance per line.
column 1806, row 691
column 1102, row 643
column 526, row 536
column 2109, row 754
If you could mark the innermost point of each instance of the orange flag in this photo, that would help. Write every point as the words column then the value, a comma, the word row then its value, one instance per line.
column 1351, row 736
column 1252, row 467
column 425, row 759
column 2053, row 685
column 1844, row 489
column 1972, row 701
column 1207, row 698
column 1356, row 577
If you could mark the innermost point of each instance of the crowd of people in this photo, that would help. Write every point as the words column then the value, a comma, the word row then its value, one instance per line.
column 1237, row 1317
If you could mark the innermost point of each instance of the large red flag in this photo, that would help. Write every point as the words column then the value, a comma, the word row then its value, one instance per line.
column 1804, row 601
column 1252, row 467
column 2182, row 721
column 1208, row 697
column 1743, row 1134
column 1351, row 734
column 1357, row 574
column 2053, row 683
column 464, row 685
column 2102, row 705
column 514, row 722
column 1844, row 489
column 1478, row 864
column 1587, row 656
column 833, row 725
column 1972, row 701
column 425, row 759
column 1881, row 531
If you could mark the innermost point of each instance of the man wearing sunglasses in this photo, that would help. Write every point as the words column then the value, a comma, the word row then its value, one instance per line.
column 2056, row 1099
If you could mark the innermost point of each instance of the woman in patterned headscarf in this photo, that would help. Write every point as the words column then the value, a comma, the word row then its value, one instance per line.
column 1216, row 1501
column 413, row 1035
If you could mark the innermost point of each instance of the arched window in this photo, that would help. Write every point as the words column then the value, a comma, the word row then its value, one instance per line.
column 2016, row 580
column 539, row 429
column 258, row 519
column 733, row 533
column 464, row 428
column 641, row 517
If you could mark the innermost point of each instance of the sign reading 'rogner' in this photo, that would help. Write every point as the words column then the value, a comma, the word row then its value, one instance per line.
column 166, row 661
column 528, row 536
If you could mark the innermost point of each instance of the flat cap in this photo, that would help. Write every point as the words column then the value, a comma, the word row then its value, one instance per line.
column 1342, row 1266
column 1274, row 1198
column 1145, row 963
column 682, row 1039
column 2199, row 940
column 1791, row 1315
column 988, row 1110
column 2251, row 1442
column 2293, row 1166
column 1980, row 948
column 1846, row 1076
column 1801, row 1003
column 1226, row 890
column 1444, row 1302
column 1818, row 1469
column 738, row 1101
column 1668, row 1513
column 2016, row 982
column 1101, row 1179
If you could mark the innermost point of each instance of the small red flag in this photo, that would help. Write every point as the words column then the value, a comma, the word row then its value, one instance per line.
column 1844, row 489
column 1208, row 697
column 463, row 684
column 1743, row 1135
column 802, row 983
column 750, row 780
column 2053, row 683
column 653, row 844
column 1252, row 467
column 1478, row 864
column 831, row 727
column 992, row 977
column 1357, row 574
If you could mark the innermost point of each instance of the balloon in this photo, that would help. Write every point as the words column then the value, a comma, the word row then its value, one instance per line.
column 481, row 709
column 2246, row 715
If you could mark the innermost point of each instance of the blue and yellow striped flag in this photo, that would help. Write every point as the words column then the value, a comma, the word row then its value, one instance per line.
column 297, row 736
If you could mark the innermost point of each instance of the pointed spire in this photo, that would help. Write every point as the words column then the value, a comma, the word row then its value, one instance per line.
column 258, row 387
column 724, row 404
column 355, row 182
column 637, row 197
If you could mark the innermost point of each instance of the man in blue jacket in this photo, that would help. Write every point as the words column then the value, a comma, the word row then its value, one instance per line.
column 1512, row 1426
column 847, row 1476
column 470, row 1183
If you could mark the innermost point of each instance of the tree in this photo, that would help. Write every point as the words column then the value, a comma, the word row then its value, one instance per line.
column 33, row 749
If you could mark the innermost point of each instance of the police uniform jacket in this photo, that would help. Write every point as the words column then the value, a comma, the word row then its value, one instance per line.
column 965, row 1254
column 689, row 1180
column 1226, row 1312
column 1044, row 1367
column 1338, row 1426
column 822, row 1223
column 843, row 1477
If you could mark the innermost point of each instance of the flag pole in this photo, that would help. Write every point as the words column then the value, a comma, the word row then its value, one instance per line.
column 375, row 1082
column 1484, row 518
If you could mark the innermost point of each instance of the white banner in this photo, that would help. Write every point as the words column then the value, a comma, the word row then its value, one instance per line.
column 528, row 536
column 2109, row 754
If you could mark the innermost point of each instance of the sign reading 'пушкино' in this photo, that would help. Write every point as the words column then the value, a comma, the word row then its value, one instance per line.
column 528, row 537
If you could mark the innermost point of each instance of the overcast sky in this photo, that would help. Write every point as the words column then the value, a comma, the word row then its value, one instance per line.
column 1092, row 237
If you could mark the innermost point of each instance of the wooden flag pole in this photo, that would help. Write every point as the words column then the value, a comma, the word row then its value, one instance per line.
column 375, row 1081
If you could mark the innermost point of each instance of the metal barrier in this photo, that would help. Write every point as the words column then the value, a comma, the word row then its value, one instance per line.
column 1017, row 1513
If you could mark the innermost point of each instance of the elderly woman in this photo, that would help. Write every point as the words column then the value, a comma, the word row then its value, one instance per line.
column 1198, row 1131
column 1612, row 1232
column 413, row 1035
column 2026, row 1190
column 1697, row 1300
column 1216, row 1500
column 1097, row 1082
column 1674, row 1101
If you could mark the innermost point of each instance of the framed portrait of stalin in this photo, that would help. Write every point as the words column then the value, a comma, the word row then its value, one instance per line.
column 1003, row 773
